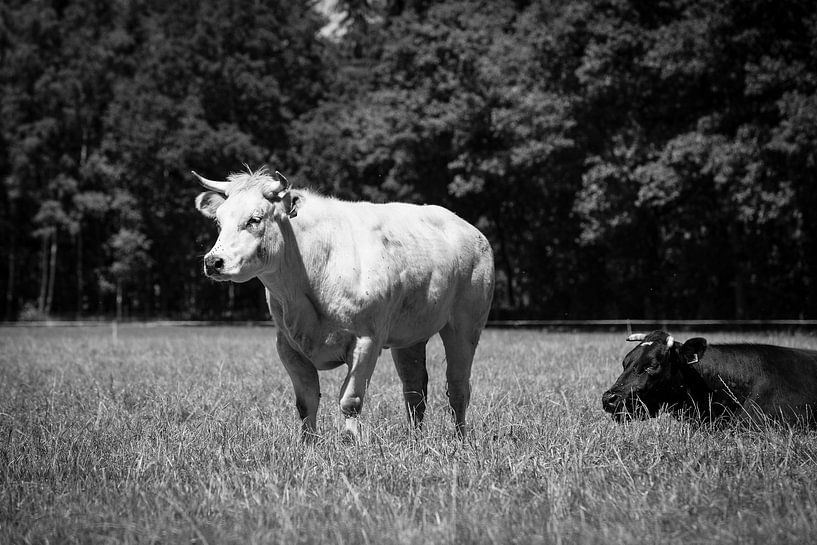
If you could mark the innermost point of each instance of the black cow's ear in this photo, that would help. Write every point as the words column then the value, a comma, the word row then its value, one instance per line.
column 693, row 350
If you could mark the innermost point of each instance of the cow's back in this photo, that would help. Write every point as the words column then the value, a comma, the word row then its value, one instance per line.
column 403, row 269
column 438, row 265
column 447, row 270
column 779, row 378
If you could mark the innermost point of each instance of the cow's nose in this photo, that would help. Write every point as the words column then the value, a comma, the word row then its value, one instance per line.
column 213, row 264
column 609, row 401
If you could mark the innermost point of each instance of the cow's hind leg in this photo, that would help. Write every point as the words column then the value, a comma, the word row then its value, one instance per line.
column 410, row 363
column 460, row 342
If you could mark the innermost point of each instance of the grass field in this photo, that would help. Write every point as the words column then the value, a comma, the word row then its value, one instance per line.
column 190, row 435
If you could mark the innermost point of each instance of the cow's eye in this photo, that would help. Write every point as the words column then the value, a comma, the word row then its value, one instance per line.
column 255, row 220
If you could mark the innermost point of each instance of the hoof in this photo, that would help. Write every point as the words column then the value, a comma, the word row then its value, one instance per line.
column 352, row 432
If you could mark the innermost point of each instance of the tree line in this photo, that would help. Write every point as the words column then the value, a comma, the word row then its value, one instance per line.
column 625, row 158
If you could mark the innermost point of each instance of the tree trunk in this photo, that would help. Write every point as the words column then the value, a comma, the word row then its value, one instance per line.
column 13, row 234
column 118, row 300
column 506, row 258
column 52, row 271
column 80, row 279
column 43, row 275
column 738, row 279
column 230, row 300
column 10, row 284
column 740, row 297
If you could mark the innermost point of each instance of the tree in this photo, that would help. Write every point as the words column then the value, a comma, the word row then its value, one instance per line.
column 56, row 83
column 103, row 99
column 129, row 259
column 624, row 158
column 687, row 169
column 451, row 112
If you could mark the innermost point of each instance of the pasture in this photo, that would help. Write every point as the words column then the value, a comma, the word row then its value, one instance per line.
column 190, row 435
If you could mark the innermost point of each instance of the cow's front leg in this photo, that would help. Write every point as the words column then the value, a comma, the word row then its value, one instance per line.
column 361, row 361
column 305, row 381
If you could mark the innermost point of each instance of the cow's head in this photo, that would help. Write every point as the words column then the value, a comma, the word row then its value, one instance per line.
column 653, row 376
column 250, row 209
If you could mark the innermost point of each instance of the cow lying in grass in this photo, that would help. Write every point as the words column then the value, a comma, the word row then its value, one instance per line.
column 347, row 279
column 699, row 380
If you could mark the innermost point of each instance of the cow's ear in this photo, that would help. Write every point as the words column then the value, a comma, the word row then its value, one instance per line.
column 208, row 202
column 285, row 205
column 693, row 350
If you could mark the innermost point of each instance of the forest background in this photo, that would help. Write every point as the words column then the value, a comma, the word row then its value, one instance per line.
column 625, row 158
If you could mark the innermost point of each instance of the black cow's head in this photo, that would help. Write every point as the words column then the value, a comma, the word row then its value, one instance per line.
column 653, row 376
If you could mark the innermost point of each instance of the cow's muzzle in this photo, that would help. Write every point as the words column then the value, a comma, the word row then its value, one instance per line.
column 620, row 407
column 610, row 401
column 213, row 265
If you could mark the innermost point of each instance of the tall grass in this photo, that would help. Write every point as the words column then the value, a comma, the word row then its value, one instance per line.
column 191, row 435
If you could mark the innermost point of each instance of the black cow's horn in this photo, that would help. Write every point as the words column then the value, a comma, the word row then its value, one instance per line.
column 670, row 341
column 637, row 337
column 212, row 185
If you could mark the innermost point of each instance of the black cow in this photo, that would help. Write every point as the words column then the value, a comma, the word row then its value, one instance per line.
column 706, row 381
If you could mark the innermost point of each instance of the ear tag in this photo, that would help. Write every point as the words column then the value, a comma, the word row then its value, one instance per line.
column 694, row 359
column 289, row 202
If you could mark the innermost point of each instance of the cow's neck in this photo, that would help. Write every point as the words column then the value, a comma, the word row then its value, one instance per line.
column 290, row 287
column 715, row 383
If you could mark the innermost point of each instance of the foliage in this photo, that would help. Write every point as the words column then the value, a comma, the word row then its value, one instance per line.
column 626, row 159
column 111, row 104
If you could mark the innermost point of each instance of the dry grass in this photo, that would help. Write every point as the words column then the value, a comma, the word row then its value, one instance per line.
column 190, row 435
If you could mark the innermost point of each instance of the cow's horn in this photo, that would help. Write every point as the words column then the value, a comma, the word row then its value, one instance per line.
column 212, row 185
column 670, row 341
column 637, row 337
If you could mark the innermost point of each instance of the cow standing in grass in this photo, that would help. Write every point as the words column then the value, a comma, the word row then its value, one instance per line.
column 709, row 381
column 347, row 279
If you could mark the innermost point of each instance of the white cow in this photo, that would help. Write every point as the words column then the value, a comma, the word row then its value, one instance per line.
column 347, row 279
